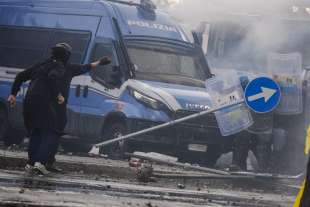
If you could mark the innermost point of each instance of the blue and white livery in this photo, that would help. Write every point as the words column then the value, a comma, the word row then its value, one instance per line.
column 163, row 74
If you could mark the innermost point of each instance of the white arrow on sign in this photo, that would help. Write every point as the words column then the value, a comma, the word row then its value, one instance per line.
column 266, row 93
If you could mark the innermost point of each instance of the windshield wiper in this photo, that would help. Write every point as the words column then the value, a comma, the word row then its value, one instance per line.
column 179, row 76
column 175, row 77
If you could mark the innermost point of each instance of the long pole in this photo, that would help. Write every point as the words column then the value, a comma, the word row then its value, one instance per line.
column 168, row 124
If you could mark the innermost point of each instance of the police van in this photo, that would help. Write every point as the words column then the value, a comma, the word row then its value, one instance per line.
column 162, row 75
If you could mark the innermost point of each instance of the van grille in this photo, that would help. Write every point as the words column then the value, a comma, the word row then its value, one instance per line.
column 205, row 121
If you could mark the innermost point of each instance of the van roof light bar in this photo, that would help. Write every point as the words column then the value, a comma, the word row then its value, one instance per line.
column 145, row 4
column 148, row 5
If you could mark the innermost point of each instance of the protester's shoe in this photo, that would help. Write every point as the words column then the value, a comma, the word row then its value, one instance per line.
column 54, row 169
column 40, row 169
column 29, row 168
column 234, row 168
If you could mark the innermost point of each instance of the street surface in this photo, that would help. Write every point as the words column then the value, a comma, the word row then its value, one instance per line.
column 101, row 182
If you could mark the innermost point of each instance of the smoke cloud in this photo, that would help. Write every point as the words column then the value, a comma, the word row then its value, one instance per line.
column 258, row 29
column 244, row 33
column 193, row 11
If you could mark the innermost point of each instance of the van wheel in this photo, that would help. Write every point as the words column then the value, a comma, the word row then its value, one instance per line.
column 212, row 155
column 4, row 123
column 116, row 150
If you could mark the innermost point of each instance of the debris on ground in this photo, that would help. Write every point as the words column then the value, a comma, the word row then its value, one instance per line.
column 145, row 172
column 157, row 156
column 181, row 186
column 135, row 162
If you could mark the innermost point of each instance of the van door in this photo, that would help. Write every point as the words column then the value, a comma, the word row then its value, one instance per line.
column 97, row 91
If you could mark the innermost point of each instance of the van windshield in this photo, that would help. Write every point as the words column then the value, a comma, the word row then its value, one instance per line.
column 165, row 60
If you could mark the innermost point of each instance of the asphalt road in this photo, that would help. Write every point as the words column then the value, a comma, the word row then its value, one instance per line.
column 102, row 182
column 62, row 190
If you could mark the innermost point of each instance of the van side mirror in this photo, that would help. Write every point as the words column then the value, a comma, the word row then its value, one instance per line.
column 114, row 77
column 197, row 38
column 202, row 33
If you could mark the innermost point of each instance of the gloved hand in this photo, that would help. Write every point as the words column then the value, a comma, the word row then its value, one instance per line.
column 60, row 99
column 105, row 61
column 12, row 100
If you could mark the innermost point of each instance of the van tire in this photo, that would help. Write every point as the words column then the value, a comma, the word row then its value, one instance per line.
column 117, row 150
column 212, row 155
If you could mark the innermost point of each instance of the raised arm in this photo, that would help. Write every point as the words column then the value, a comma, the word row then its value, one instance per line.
column 82, row 69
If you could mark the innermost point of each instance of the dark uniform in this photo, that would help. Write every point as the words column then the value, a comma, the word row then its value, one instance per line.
column 39, row 116
column 44, row 117
column 256, row 138
column 71, row 70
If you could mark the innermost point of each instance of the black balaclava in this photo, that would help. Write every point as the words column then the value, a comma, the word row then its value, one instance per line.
column 62, row 52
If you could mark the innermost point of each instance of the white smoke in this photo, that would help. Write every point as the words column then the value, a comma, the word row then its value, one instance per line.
column 193, row 11
column 280, row 26
column 268, row 34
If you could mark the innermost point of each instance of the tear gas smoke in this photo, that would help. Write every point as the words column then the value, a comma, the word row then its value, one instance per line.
column 244, row 33
column 248, row 30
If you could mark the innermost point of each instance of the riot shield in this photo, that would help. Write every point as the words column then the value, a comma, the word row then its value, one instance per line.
column 226, row 89
column 286, row 70
column 306, row 93
column 262, row 123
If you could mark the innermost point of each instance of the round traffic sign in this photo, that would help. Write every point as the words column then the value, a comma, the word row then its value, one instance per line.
column 262, row 95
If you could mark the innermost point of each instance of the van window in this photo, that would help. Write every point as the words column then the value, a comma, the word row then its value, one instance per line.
column 165, row 60
column 78, row 41
column 102, row 72
column 23, row 47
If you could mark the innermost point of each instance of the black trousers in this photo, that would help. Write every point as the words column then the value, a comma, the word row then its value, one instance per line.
column 43, row 146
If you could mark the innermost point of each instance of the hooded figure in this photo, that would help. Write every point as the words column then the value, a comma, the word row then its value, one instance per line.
column 43, row 89
column 45, row 104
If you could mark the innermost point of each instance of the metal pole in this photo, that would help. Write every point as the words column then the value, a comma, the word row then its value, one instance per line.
column 171, row 123
column 182, row 165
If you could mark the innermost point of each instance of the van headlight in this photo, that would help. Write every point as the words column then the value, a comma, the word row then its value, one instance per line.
column 148, row 101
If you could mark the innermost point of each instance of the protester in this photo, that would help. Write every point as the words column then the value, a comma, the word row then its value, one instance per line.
column 71, row 70
column 45, row 103
column 42, row 91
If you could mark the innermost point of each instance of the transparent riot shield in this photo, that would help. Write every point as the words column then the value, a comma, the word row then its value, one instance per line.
column 286, row 70
column 226, row 89
column 262, row 123
column 306, row 93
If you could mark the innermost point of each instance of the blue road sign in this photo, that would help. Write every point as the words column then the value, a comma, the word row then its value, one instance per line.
column 262, row 95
